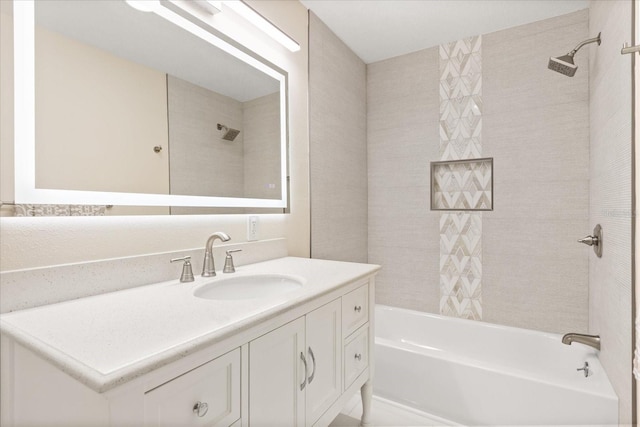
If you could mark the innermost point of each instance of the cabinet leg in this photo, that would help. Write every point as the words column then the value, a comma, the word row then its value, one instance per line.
column 366, row 392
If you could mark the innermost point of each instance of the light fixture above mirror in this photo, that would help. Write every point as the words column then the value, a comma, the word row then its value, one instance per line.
column 251, row 15
column 27, row 188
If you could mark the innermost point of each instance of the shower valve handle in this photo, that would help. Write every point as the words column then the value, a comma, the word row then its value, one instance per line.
column 589, row 240
column 594, row 240
column 585, row 369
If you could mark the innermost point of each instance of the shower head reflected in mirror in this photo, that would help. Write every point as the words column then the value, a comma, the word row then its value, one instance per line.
column 229, row 134
column 564, row 64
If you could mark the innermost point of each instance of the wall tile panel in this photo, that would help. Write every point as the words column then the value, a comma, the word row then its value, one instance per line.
column 610, row 185
column 338, row 147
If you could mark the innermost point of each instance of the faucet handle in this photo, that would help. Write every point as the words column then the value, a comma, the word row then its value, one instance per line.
column 585, row 368
column 187, row 272
column 594, row 240
column 228, row 262
column 589, row 240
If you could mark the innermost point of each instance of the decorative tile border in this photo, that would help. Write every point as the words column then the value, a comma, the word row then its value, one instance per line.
column 461, row 185
column 60, row 210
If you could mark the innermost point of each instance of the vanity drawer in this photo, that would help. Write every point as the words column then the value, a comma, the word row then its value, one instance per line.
column 355, row 309
column 215, row 386
column 356, row 355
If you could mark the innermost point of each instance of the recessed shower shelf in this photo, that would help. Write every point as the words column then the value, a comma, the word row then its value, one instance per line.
column 462, row 185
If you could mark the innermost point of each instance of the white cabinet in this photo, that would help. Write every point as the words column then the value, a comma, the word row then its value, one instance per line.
column 355, row 330
column 295, row 370
column 355, row 310
column 206, row 396
column 323, row 338
column 356, row 355
column 277, row 377
column 298, row 367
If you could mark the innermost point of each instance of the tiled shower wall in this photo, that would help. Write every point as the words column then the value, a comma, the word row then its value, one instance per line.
column 261, row 126
column 197, row 147
column 337, row 147
column 248, row 166
column 610, row 180
column 535, row 124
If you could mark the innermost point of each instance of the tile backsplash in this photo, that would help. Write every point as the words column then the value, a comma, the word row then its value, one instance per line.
column 23, row 289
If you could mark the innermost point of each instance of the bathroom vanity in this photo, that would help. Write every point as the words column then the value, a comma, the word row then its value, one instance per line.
column 188, row 354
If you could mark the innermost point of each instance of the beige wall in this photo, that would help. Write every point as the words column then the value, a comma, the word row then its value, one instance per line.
column 33, row 242
column 402, row 131
column 636, row 125
column 6, row 104
column 338, row 147
column 535, row 126
column 610, row 185
column 81, row 93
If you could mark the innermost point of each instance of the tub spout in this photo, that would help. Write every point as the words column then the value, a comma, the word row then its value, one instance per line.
column 590, row 340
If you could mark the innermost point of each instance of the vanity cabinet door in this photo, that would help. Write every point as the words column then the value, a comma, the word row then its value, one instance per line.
column 277, row 377
column 206, row 396
column 324, row 376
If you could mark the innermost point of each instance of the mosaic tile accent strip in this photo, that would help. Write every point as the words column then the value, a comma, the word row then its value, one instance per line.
column 461, row 185
column 60, row 210
column 461, row 99
column 461, row 265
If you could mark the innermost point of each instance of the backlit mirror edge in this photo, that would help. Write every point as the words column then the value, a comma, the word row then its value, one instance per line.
column 24, row 133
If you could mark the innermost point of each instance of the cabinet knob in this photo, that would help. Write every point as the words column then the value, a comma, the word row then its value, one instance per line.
column 358, row 356
column 357, row 308
column 200, row 409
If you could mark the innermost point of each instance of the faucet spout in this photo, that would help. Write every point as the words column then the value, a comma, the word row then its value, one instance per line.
column 590, row 340
column 208, row 266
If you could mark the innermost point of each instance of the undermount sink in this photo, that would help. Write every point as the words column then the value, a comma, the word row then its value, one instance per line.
column 249, row 287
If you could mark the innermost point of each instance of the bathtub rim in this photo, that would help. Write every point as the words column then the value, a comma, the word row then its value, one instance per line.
column 603, row 384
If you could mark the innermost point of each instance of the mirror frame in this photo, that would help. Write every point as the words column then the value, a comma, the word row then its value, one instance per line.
column 24, row 133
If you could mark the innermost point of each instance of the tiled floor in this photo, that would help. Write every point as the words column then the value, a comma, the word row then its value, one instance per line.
column 385, row 413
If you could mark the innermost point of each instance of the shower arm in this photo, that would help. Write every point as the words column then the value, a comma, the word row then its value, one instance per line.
column 593, row 40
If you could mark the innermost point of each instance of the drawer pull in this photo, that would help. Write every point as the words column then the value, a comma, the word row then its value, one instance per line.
column 200, row 409
column 357, row 308
column 304, row 360
column 358, row 356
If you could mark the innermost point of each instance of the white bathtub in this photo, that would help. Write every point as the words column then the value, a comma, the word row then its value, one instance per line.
column 476, row 373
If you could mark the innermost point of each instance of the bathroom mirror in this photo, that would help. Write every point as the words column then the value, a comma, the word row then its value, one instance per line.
column 120, row 106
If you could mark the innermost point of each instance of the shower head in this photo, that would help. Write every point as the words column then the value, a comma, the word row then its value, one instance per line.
column 564, row 64
column 229, row 134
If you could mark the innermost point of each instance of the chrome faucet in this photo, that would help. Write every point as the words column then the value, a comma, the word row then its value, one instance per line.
column 228, row 262
column 208, row 266
column 187, row 272
column 591, row 340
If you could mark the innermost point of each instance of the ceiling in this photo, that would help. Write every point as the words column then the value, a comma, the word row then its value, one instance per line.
column 381, row 29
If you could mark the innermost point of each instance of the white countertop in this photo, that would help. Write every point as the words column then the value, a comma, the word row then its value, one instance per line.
column 106, row 340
